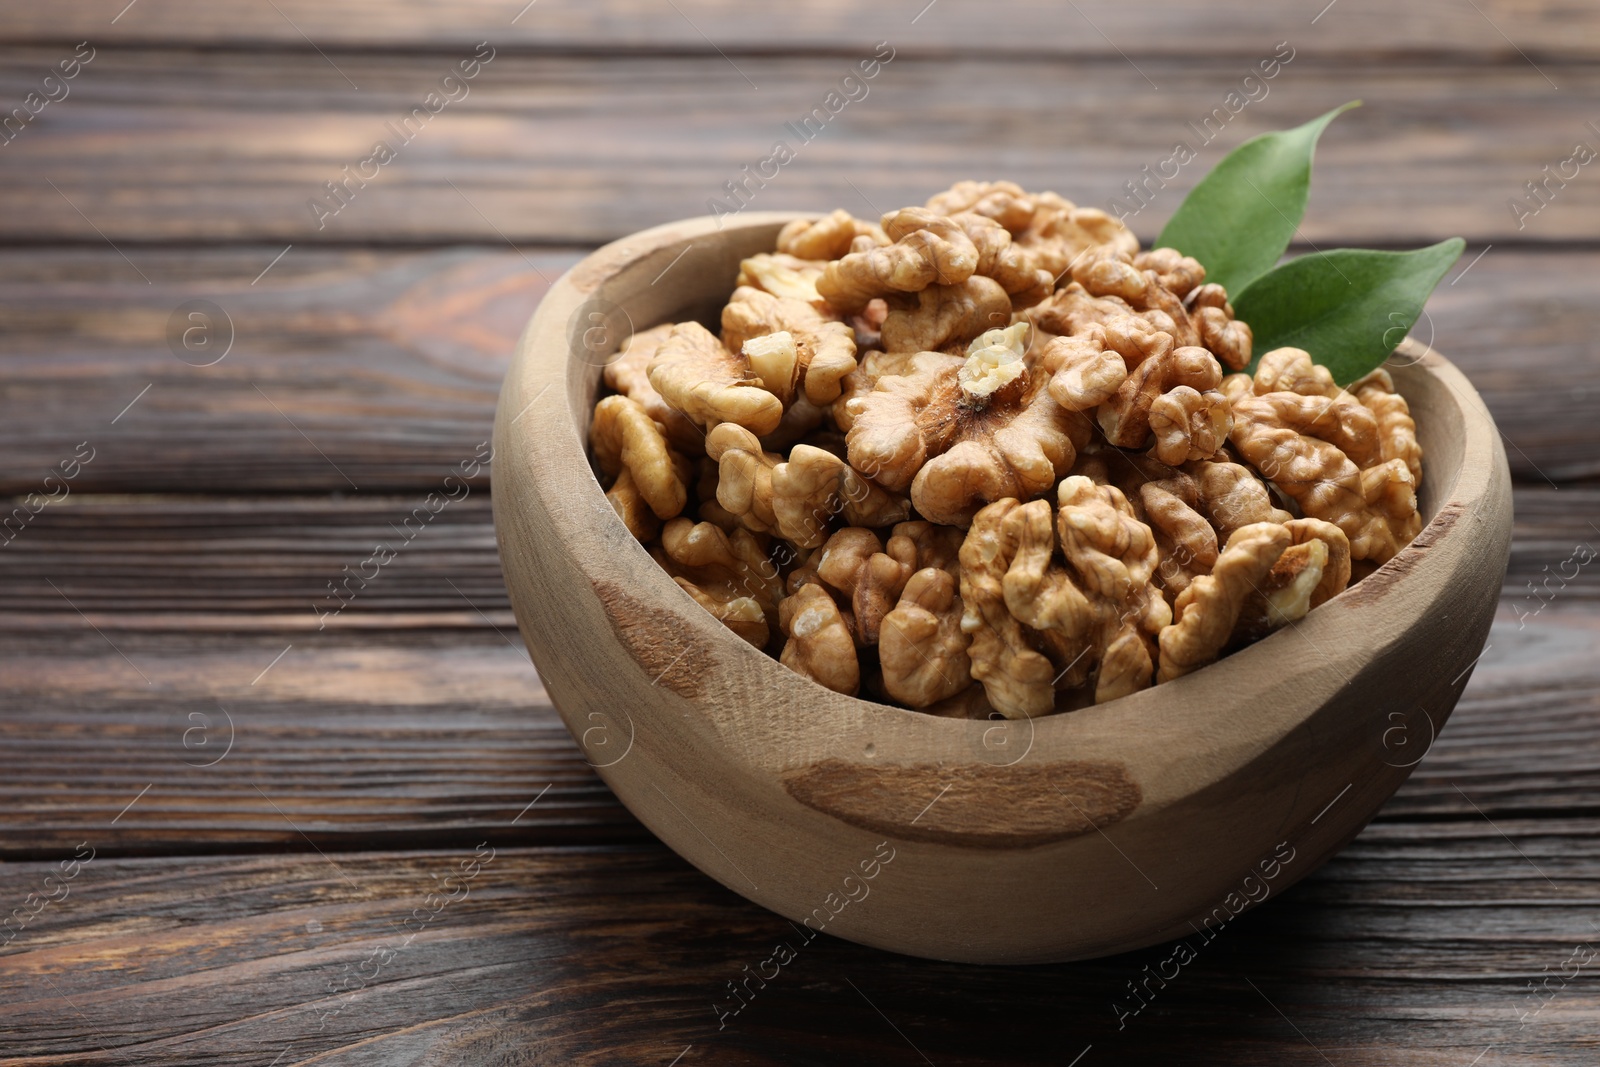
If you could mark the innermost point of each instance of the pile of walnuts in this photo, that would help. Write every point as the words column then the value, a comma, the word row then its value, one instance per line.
column 987, row 456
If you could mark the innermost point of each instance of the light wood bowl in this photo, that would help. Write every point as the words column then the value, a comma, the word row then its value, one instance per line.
column 1070, row 836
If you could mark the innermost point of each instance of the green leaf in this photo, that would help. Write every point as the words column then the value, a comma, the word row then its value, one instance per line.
column 1242, row 215
column 1349, row 308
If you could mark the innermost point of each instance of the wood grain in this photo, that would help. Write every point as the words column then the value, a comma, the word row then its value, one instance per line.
column 411, row 724
column 1541, row 27
column 981, row 806
column 346, row 741
column 217, row 145
column 1413, row 947
column 348, row 370
column 389, row 362
column 292, row 564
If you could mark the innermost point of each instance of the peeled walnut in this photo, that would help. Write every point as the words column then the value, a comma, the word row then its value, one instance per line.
column 1065, row 624
column 1015, row 446
column 928, row 249
column 1231, row 496
column 1236, row 387
column 839, row 562
column 709, row 557
column 1131, row 471
column 1336, row 570
column 1054, row 230
column 1018, row 679
column 813, row 486
column 961, row 433
column 741, row 614
column 1161, row 547
column 1290, row 370
column 808, row 349
column 725, row 573
column 1397, row 433
column 820, row 645
column 1188, row 425
column 701, row 378
column 886, row 441
column 628, row 375
column 782, row 275
column 744, row 481
column 867, row 323
column 943, row 315
column 1005, row 202
column 829, row 237
column 1110, row 273
column 805, row 573
column 1210, row 295
column 1390, row 493
column 861, row 381
column 1295, row 440
column 707, row 508
column 1191, row 430
column 1179, row 273
column 1120, row 368
column 1061, row 232
column 1114, row 557
column 1285, row 594
column 775, row 359
column 852, row 564
column 631, row 508
column 624, row 437
column 1340, row 420
column 922, row 544
column 1207, row 611
column 1228, row 339
column 1084, row 372
column 1091, row 614
column 1072, row 309
column 1013, row 267
column 1314, row 568
column 875, row 580
column 1105, row 273
column 922, row 647
column 1185, row 541
column 1079, row 227
column 879, row 584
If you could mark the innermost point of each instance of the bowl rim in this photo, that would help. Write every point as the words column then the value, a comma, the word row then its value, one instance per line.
column 744, row 676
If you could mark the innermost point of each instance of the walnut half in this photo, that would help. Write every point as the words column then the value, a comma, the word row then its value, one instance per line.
column 961, row 433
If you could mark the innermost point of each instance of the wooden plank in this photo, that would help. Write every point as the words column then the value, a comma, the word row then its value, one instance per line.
column 273, row 741
column 1415, row 946
column 1540, row 27
column 420, row 681
column 278, row 563
column 347, row 369
column 218, row 145
column 381, row 368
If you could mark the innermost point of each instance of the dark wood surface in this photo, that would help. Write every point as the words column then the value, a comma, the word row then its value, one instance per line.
column 268, row 794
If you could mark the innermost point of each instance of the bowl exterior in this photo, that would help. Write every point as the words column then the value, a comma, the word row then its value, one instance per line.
column 1160, row 815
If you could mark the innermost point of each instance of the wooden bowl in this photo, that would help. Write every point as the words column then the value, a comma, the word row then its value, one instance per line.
column 1069, row 836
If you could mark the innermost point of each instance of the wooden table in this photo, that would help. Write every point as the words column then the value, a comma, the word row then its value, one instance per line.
column 240, row 829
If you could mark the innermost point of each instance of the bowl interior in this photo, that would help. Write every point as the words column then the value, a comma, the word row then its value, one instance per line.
column 703, row 270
